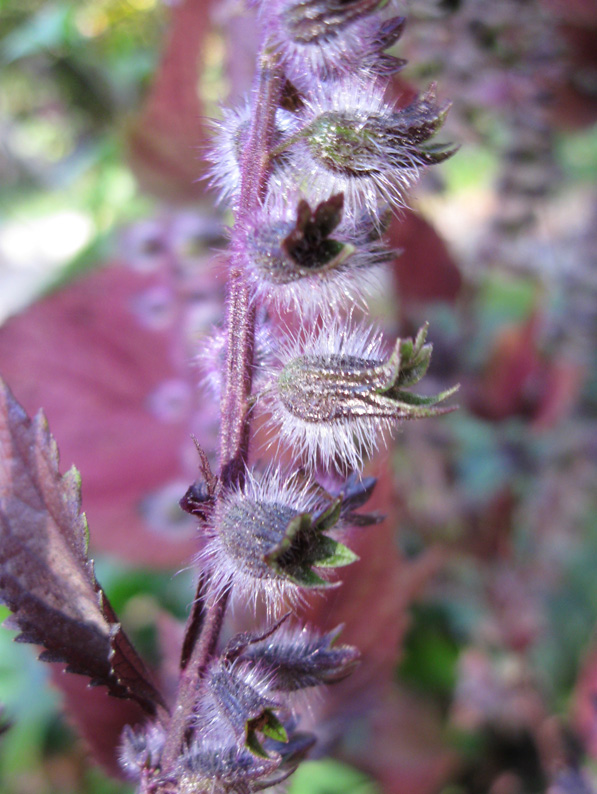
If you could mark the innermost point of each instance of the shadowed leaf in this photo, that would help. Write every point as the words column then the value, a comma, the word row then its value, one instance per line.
column 46, row 578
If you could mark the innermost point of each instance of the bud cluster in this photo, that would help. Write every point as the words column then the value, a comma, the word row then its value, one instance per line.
column 313, row 164
column 245, row 736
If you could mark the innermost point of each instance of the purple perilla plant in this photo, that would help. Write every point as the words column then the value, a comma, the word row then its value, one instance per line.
column 312, row 164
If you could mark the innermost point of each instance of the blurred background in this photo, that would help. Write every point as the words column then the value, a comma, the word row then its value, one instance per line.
column 475, row 603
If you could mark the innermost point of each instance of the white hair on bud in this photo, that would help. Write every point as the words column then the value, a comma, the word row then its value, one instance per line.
column 337, row 443
column 229, row 140
column 352, row 143
column 289, row 495
column 311, row 288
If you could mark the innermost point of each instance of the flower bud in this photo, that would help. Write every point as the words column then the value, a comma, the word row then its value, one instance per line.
column 230, row 138
column 335, row 391
column 269, row 538
column 355, row 143
column 141, row 749
column 302, row 659
column 230, row 769
column 326, row 39
column 307, row 260
column 235, row 701
column 211, row 358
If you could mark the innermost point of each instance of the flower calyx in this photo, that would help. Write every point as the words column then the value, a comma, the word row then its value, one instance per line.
column 302, row 658
column 236, row 700
column 270, row 537
column 311, row 260
column 361, row 144
column 308, row 21
column 305, row 546
column 336, row 390
column 309, row 245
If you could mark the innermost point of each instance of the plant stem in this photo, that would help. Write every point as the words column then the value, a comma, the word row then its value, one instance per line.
column 240, row 318
column 189, row 681
column 234, row 431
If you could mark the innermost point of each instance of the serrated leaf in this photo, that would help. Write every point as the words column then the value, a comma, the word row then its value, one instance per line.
column 126, row 665
column 46, row 579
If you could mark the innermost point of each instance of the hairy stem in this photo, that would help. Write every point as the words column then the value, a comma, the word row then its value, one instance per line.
column 189, row 681
column 234, row 432
column 240, row 317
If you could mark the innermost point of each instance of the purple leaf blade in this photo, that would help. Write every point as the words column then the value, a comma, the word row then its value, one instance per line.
column 46, row 578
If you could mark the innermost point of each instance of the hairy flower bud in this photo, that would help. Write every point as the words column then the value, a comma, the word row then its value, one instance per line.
column 299, row 659
column 141, row 749
column 211, row 358
column 231, row 769
column 230, row 138
column 269, row 538
column 353, row 142
column 326, row 39
column 307, row 260
column 235, row 701
column 334, row 391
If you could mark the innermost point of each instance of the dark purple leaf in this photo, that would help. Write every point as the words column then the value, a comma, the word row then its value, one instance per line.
column 46, row 578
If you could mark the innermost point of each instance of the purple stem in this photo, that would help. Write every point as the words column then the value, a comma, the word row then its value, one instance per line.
column 189, row 682
column 240, row 317
column 235, row 428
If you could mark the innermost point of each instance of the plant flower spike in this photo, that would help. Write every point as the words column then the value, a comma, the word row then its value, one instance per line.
column 312, row 164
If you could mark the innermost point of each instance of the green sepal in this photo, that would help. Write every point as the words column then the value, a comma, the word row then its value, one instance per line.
column 408, row 363
column 274, row 728
column 269, row 725
column 390, row 372
column 307, row 578
column 254, row 746
column 298, row 525
column 332, row 554
column 416, row 400
column 345, row 250
column 329, row 517
column 299, row 572
column 415, row 358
